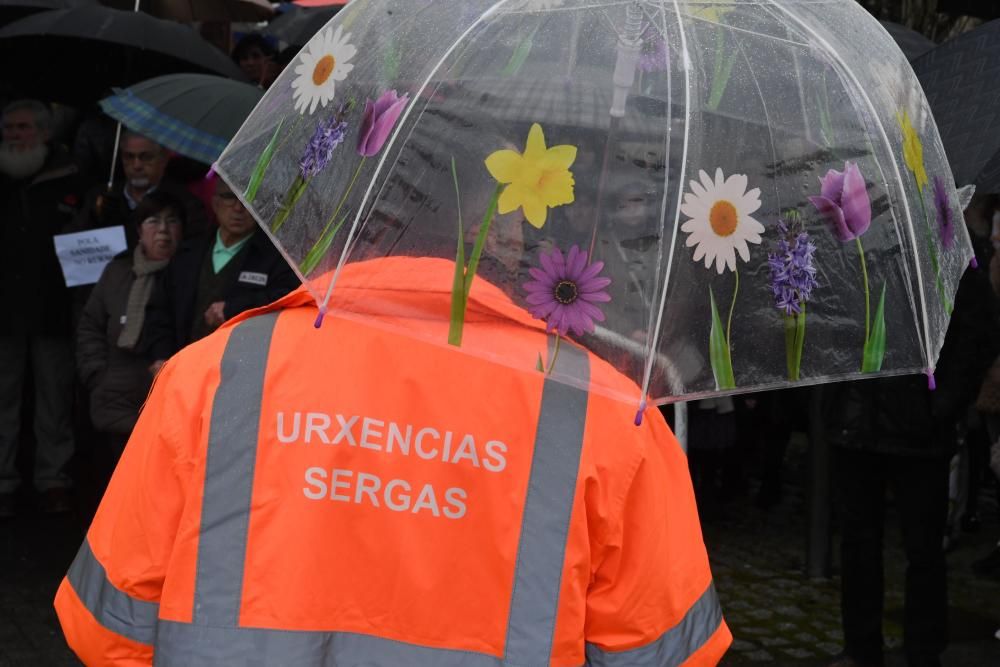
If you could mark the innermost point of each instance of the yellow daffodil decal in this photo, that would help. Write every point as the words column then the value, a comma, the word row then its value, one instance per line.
column 913, row 150
column 535, row 180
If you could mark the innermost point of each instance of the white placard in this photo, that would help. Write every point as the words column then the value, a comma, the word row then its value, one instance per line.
column 83, row 255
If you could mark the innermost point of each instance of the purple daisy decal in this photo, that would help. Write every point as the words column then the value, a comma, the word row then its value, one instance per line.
column 653, row 54
column 566, row 290
column 793, row 274
column 945, row 215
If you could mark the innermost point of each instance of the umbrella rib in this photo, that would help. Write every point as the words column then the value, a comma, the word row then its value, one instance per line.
column 895, row 167
column 401, row 123
column 651, row 355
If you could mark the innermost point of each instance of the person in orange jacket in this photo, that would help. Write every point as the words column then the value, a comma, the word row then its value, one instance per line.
column 356, row 496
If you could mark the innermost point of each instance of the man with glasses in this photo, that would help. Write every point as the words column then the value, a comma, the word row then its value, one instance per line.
column 144, row 164
column 213, row 278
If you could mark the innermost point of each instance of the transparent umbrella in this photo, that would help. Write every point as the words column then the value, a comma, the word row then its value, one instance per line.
column 711, row 196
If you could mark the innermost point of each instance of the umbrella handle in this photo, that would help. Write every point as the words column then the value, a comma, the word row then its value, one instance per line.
column 114, row 155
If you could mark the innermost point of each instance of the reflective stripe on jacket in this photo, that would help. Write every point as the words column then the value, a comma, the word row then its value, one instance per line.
column 353, row 496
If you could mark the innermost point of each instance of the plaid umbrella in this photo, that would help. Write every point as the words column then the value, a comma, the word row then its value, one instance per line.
column 961, row 79
column 193, row 114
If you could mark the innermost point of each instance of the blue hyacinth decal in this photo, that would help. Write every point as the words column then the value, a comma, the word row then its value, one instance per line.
column 793, row 278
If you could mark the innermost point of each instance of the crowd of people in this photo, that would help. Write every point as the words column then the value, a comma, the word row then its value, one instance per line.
column 85, row 356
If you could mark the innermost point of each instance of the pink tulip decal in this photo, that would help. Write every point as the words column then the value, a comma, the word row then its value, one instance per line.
column 844, row 201
column 379, row 120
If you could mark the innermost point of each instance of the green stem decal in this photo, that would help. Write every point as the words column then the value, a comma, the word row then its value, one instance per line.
column 293, row 195
column 263, row 162
column 460, row 293
column 555, row 354
column 795, row 337
column 718, row 350
column 868, row 300
column 932, row 251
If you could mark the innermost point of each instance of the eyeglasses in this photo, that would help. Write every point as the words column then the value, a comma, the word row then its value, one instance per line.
column 154, row 222
column 144, row 157
column 228, row 198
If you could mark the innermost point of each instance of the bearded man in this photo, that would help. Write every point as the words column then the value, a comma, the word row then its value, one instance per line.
column 40, row 190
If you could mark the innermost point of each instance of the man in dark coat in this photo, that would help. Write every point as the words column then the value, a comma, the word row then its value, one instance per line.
column 40, row 190
column 214, row 278
column 896, row 432
column 144, row 163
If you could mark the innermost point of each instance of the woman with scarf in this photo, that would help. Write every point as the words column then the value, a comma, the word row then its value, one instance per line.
column 109, row 357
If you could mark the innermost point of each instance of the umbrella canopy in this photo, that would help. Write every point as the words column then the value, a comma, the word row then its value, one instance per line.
column 12, row 10
column 75, row 55
column 297, row 26
column 200, row 10
column 677, row 186
column 912, row 43
column 193, row 114
column 961, row 79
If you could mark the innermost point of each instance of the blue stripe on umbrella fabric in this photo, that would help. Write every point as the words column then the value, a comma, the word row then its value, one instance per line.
column 140, row 116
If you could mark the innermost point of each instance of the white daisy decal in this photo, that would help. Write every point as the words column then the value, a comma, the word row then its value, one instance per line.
column 323, row 62
column 720, row 224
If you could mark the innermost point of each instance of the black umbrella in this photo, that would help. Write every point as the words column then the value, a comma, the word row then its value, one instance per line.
column 75, row 55
column 12, row 10
column 910, row 42
column 200, row 10
column 961, row 79
column 297, row 25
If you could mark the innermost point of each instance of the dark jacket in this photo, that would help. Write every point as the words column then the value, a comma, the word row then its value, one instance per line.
column 900, row 415
column 33, row 210
column 111, row 209
column 117, row 379
column 171, row 311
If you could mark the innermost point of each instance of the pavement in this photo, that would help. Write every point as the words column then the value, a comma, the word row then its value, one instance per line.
column 778, row 615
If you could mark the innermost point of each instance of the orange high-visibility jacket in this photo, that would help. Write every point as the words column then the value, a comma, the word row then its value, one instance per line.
column 352, row 496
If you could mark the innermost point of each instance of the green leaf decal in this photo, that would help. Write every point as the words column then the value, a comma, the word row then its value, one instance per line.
column 520, row 55
column 875, row 346
column 718, row 350
column 257, row 177
column 321, row 246
column 458, row 281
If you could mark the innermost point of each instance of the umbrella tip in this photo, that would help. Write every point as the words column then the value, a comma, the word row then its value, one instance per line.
column 974, row 263
column 638, row 413
column 319, row 318
column 931, row 382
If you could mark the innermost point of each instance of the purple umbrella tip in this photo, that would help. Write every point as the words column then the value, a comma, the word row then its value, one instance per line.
column 974, row 263
column 319, row 318
column 931, row 382
column 638, row 413
column 210, row 174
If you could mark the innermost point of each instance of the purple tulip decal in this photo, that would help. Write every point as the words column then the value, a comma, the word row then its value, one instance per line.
column 379, row 120
column 844, row 202
column 566, row 290
column 945, row 216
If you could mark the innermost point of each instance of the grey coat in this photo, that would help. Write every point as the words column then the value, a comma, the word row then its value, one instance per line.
column 117, row 379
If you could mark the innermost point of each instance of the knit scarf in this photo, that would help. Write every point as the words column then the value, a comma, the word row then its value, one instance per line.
column 138, row 297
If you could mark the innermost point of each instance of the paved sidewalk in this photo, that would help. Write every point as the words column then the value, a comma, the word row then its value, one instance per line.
column 779, row 616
